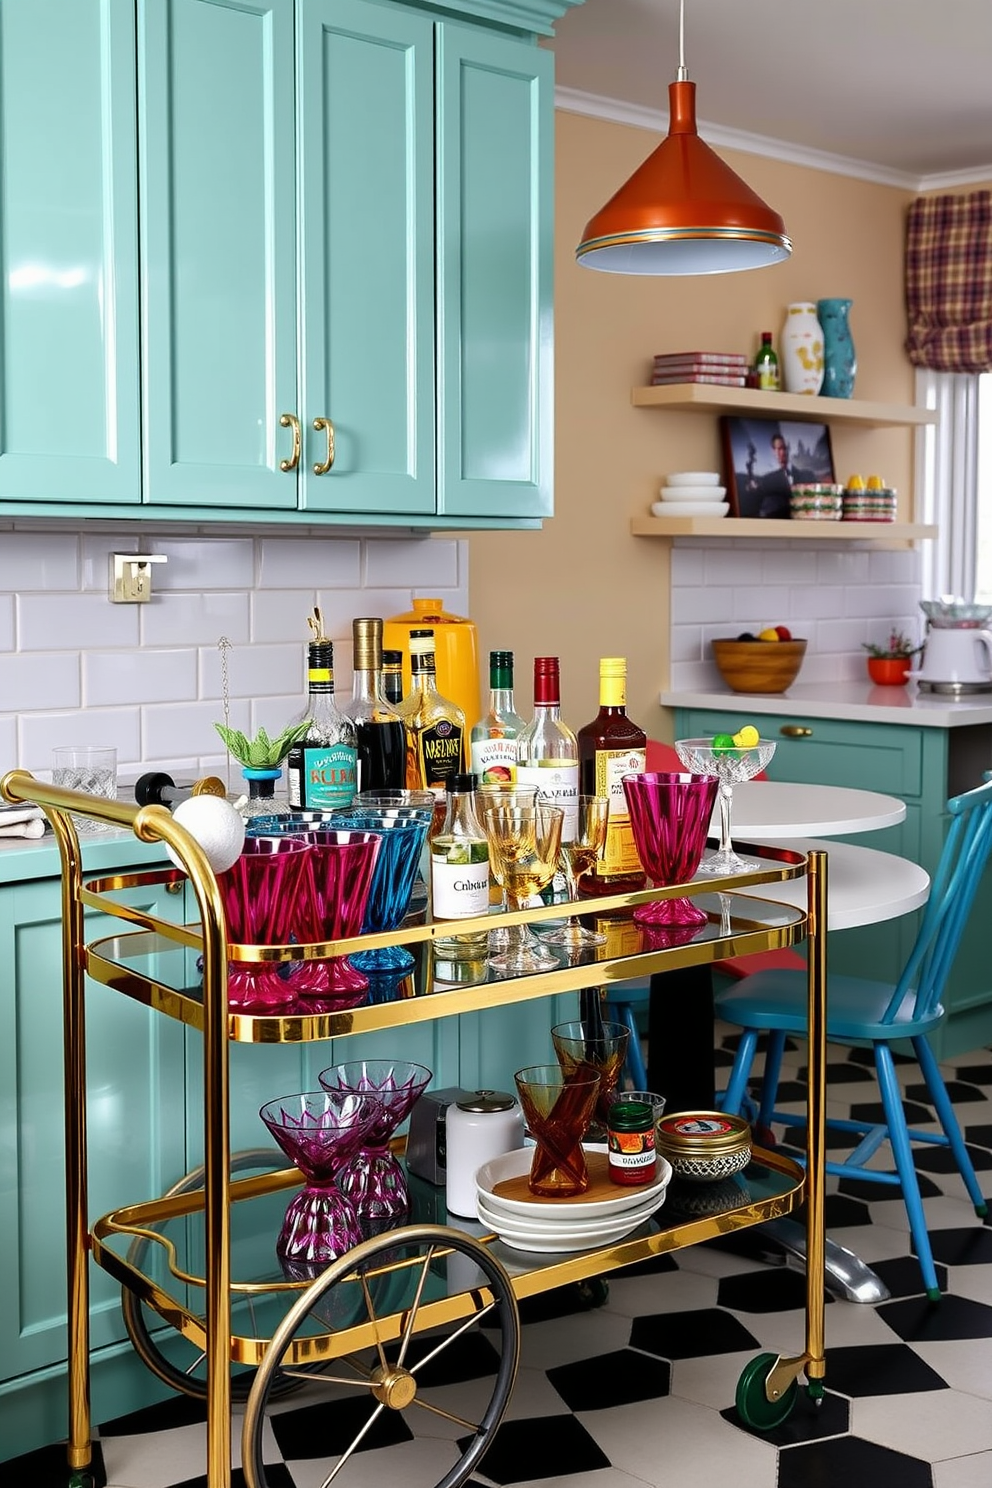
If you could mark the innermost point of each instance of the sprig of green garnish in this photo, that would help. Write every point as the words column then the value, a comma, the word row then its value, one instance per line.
column 261, row 753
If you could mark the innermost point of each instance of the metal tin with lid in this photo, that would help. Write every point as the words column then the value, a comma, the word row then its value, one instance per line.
column 480, row 1125
column 704, row 1146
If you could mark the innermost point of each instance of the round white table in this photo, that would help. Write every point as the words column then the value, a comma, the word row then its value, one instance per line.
column 778, row 810
column 864, row 887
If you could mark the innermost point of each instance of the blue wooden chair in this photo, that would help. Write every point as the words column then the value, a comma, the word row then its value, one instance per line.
column 877, row 1014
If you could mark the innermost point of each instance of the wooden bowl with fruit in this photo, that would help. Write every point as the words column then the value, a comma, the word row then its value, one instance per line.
column 766, row 662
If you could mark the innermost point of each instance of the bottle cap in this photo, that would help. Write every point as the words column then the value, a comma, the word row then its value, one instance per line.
column 367, row 639
column 392, row 658
column 501, row 669
column 547, row 685
column 461, row 784
column 613, row 666
column 421, row 643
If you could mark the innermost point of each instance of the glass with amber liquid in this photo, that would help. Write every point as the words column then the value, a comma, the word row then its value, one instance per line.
column 610, row 747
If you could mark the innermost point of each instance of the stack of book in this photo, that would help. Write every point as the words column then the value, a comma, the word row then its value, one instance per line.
column 728, row 368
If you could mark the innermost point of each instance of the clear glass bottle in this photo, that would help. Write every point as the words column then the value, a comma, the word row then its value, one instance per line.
column 392, row 677
column 610, row 747
column 379, row 734
column 547, row 750
column 435, row 726
column 494, row 737
column 766, row 364
column 460, row 872
column 322, row 768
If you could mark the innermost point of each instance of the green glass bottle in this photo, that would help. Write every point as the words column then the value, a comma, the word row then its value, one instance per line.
column 766, row 365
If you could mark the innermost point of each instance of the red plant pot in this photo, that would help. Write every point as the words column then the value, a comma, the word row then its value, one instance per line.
column 889, row 671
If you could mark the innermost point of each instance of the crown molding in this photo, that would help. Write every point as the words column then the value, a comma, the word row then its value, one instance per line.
column 594, row 105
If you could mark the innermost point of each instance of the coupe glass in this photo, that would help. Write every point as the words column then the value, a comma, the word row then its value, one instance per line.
column 557, row 1112
column 577, row 857
column 268, row 900
column 670, row 817
column 524, row 842
column 732, row 766
column 403, row 838
column 593, row 1048
column 343, row 865
column 373, row 1179
column 319, row 1131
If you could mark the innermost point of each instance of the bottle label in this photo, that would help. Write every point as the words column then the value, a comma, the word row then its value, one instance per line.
column 440, row 752
column 459, row 878
column 557, row 781
column 328, row 776
column 494, row 761
column 620, row 858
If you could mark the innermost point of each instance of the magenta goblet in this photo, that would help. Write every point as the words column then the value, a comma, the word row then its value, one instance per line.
column 268, row 900
column 670, row 817
column 343, row 863
column 373, row 1179
column 319, row 1131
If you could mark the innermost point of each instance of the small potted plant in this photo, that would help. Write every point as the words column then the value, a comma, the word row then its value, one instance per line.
column 889, row 665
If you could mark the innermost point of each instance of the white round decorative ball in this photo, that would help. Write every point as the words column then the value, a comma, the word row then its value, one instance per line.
column 216, row 826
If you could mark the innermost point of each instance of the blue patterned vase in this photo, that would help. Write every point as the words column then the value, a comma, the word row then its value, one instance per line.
column 840, row 362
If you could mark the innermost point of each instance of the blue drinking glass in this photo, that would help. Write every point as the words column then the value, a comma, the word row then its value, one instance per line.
column 404, row 832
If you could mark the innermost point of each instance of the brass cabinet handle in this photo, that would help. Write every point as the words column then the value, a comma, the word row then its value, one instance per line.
column 325, row 424
column 795, row 731
column 290, row 421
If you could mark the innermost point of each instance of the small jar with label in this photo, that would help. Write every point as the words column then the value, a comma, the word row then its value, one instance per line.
column 478, row 1126
column 630, row 1142
column 460, row 873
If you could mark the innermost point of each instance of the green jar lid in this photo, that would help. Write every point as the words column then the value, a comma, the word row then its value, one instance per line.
column 630, row 1116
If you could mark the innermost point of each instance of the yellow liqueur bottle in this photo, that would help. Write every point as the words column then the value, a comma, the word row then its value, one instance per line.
column 435, row 726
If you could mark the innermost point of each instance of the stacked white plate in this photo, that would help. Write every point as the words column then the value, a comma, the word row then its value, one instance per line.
column 692, row 493
column 556, row 1226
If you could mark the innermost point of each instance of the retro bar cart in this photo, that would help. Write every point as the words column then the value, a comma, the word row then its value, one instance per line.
column 368, row 1326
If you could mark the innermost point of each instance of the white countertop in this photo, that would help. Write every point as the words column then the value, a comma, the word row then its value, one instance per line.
column 856, row 702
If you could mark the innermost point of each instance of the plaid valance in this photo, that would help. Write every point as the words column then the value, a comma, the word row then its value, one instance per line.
column 949, row 282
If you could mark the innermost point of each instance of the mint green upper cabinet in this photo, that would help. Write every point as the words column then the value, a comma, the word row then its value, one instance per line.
column 365, row 76
column 69, row 423
column 495, row 218
column 218, row 239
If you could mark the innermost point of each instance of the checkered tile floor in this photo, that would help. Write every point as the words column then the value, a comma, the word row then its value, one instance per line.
column 640, row 1390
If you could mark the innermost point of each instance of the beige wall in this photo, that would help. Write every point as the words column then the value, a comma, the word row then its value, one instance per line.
column 583, row 587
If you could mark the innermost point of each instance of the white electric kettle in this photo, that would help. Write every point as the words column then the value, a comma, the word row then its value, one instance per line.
column 958, row 657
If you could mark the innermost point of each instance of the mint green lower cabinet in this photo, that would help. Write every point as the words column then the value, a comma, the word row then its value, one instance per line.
column 923, row 767
column 135, row 1084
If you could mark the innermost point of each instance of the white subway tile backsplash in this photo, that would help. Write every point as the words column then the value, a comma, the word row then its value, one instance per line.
column 96, row 558
column 45, row 621
column 758, row 606
column 731, row 567
column 253, row 671
column 437, row 565
column 701, row 605
column 843, row 635
column 788, row 565
column 8, row 745
column 813, row 601
column 276, row 713
column 168, row 731
column 193, row 619
column 313, row 563
column 198, row 563
column 6, row 622
column 688, row 566
column 280, row 615
column 139, row 675
column 843, row 565
column 39, row 733
column 49, row 681
column 39, row 560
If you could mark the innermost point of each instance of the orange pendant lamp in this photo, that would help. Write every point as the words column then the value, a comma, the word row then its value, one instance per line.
column 684, row 211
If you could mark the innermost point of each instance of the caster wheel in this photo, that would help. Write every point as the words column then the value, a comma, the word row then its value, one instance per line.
column 814, row 1392
column 753, row 1405
column 408, row 1297
column 594, row 1292
column 82, row 1478
column 140, row 1321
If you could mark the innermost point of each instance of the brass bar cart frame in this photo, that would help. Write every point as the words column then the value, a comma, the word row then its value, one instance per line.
column 112, row 961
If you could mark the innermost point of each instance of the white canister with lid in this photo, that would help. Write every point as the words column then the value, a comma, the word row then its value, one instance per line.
column 479, row 1126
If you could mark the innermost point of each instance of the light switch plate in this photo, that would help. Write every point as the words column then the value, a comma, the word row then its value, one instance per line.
column 131, row 576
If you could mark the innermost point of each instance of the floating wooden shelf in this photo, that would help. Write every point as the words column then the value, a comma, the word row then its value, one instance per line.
column 704, row 397
column 766, row 527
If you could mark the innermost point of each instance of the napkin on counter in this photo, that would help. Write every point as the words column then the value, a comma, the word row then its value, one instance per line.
column 22, row 821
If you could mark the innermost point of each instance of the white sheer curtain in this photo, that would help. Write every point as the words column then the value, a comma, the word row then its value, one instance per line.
column 947, row 463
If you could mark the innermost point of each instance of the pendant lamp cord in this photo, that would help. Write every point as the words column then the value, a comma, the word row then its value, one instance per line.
column 683, row 74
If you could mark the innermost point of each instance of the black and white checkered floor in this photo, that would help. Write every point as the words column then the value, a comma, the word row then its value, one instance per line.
column 641, row 1389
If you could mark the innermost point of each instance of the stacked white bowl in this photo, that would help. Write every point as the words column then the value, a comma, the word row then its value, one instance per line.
column 691, row 493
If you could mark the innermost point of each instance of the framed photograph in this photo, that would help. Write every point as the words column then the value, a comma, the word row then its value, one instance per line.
column 763, row 458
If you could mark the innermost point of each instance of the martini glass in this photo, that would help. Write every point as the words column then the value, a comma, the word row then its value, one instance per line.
column 373, row 1179
column 670, row 817
column 732, row 766
column 319, row 1131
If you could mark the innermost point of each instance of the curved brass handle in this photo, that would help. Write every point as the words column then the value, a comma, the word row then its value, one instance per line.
column 795, row 731
column 290, row 421
column 322, row 423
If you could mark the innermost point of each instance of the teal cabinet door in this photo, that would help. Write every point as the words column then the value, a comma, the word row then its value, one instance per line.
column 365, row 76
column 495, row 224
column 218, row 244
column 68, row 244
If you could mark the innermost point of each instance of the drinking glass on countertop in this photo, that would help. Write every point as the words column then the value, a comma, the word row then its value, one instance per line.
column 91, row 768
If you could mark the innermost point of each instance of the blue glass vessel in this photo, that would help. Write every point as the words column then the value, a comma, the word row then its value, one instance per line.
column 404, row 832
column 840, row 362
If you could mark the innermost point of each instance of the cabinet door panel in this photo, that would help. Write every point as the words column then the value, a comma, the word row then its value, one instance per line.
column 69, row 253
column 367, row 306
column 494, row 230
column 219, row 248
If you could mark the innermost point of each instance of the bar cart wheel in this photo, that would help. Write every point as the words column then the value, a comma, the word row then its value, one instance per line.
column 753, row 1405
column 403, row 1273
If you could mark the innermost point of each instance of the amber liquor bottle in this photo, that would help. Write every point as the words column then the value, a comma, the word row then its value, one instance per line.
column 435, row 726
column 610, row 747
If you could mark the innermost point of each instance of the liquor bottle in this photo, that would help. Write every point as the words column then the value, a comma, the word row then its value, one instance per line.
column 322, row 768
column 435, row 726
column 547, row 751
column 766, row 364
column 610, row 747
column 460, row 872
column 379, row 734
column 392, row 677
column 494, row 737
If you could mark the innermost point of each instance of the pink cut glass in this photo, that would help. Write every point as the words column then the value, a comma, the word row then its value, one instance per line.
column 670, row 817
column 268, row 900
column 319, row 1131
column 373, row 1178
column 343, row 863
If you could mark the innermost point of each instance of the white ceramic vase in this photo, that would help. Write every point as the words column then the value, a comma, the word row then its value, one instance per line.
column 801, row 349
